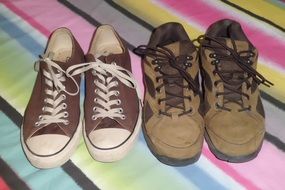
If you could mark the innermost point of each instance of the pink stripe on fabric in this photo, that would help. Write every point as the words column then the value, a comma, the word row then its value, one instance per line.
column 59, row 16
column 267, row 169
column 229, row 170
column 270, row 48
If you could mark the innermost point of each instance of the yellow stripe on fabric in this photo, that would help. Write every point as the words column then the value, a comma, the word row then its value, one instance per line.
column 277, row 78
column 264, row 9
column 148, row 11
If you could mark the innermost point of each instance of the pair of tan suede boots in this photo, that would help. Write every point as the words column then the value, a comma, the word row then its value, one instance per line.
column 224, row 106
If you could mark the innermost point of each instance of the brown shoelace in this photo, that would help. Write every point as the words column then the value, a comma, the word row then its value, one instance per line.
column 162, row 56
column 232, row 79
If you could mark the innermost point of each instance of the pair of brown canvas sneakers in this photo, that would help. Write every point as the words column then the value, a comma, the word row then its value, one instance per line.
column 52, row 125
column 228, row 112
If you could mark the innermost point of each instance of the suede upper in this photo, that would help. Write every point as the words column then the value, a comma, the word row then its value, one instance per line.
column 233, row 111
column 172, row 119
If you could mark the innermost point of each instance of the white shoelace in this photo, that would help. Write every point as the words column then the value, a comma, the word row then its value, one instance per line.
column 107, row 74
column 53, row 110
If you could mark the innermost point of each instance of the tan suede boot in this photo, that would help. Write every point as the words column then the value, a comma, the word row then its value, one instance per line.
column 233, row 111
column 173, row 125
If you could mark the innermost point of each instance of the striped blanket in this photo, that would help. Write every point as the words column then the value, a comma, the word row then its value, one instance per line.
column 24, row 28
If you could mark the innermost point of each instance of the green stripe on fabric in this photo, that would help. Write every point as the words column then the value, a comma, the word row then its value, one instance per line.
column 17, row 74
column 124, row 173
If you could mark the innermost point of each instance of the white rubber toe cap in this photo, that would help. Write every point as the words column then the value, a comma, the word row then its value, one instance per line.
column 47, row 144
column 108, row 137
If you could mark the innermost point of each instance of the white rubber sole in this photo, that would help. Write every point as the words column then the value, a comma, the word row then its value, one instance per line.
column 45, row 162
column 115, row 154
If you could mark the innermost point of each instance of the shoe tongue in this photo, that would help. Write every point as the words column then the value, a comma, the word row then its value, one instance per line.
column 105, row 58
column 64, row 64
column 52, row 128
column 108, row 123
column 178, row 48
column 108, row 59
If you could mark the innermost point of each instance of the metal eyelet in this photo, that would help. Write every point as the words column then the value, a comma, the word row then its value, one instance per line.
column 64, row 105
column 154, row 61
column 188, row 58
column 95, row 99
column 40, row 117
column 94, row 109
column 37, row 124
column 63, row 96
column 45, row 100
column 96, row 91
column 121, row 110
column 123, row 117
column 119, row 102
column 66, row 123
column 212, row 55
column 94, row 117
column 157, row 68
column 43, row 108
column 65, row 114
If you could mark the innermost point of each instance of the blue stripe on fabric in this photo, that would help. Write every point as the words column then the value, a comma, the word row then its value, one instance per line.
column 278, row 3
column 11, row 152
column 199, row 177
column 193, row 172
column 22, row 37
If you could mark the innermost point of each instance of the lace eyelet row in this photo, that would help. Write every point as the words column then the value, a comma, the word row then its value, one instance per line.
column 115, row 93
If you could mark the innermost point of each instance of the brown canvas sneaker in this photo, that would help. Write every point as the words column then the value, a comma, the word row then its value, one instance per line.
column 51, row 128
column 112, row 108
column 233, row 111
column 173, row 126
